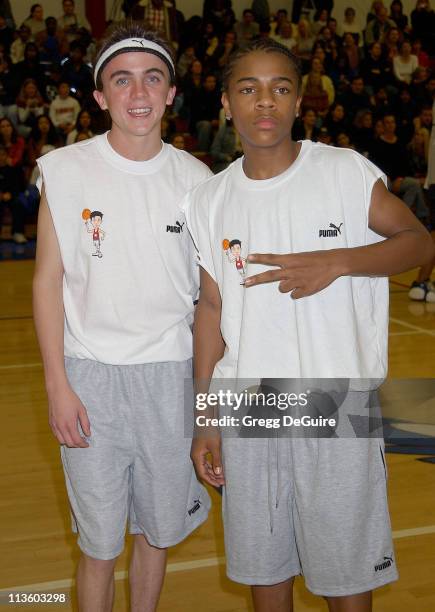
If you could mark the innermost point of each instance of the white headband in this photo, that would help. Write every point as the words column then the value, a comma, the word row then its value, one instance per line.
column 134, row 44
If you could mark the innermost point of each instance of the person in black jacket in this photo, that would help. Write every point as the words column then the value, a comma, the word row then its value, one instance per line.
column 11, row 185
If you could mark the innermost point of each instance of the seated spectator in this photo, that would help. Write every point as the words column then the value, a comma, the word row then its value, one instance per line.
column 190, row 84
column 350, row 25
column 159, row 15
column 8, row 88
column 261, row 11
column 352, row 53
column 315, row 95
column 78, row 74
column 320, row 20
column 378, row 28
column 70, row 22
column 205, row 107
column 43, row 139
column 220, row 14
column 207, row 44
column 343, row 141
column 391, row 156
column 30, row 106
column 285, row 37
column 83, row 126
column 281, row 15
column 185, row 60
column 305, row 128
column 30, row 67
column 304, row 41
column 396, row 15
column 324, row 136
column 19, row 44
column 11, row 185
column 383, row 105
column 405, row 109
column 247, row 29
column 52, row 42
column 405, row 63
column 333, row 26
column 422, row 56
column 392, row 43
column 375, row 69
column 336, row 121
column 226, row 147
column 6, row 35
column 418, row 150
column 12, row 142
column 362, row 132
column 424, row 120
column 64, row 110
column 224, row 50
column 35, row 21
column 355, row 97
column 423, row 25
column 317, row 68
column 178, row 141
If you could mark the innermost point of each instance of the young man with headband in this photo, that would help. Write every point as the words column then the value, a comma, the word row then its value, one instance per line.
column 113, row 317
column 311, row 505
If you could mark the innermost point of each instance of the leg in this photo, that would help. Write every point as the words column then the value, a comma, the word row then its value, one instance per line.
column 147, row 571
column 273, row 598
column 351, row 603
column 95, row 584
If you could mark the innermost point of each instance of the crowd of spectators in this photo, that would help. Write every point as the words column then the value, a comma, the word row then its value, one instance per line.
column 368, row 85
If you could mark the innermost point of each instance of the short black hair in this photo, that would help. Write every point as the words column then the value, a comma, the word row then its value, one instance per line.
column 133, row 29
column 96, row 213
column 267, row 45
column 234, row 242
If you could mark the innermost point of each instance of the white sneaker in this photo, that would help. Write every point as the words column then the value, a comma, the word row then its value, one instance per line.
column 422, row 292
column 19, row 238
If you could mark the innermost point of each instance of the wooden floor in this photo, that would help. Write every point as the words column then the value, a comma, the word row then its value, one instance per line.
column 39, row 553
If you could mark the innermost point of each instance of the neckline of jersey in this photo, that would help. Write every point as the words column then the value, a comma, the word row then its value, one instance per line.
column 120, row 162
column 258, row 184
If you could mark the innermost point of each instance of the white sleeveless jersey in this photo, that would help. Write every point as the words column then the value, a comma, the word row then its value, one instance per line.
column 320, row 202
column 130, row 272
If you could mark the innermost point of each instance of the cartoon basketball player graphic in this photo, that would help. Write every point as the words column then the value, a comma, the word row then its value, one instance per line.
column 93, row 220
column 233, row 250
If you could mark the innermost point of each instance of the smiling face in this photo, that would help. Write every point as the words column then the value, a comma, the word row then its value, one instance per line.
column 136, row 91
column 262, row 98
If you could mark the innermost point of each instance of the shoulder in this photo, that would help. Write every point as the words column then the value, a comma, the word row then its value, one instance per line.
column 343, row 162
column 69, row 154
column 190, row 170
column 207, row 193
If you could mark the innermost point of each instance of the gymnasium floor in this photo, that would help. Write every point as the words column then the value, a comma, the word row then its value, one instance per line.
column 38, row 552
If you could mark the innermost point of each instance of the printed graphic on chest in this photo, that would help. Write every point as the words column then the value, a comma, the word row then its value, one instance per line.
column 93, row 220
column 175, row 229
column 233, row 251
column 331, row 232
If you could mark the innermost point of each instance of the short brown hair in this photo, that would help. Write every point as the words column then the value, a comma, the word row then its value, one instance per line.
column 132, row 29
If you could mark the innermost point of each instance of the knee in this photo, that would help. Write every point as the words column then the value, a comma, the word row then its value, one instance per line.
column 98, row 565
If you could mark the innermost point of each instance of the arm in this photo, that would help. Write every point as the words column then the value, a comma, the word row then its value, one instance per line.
column 65, row 408
column 407, row 245
column 208, row 348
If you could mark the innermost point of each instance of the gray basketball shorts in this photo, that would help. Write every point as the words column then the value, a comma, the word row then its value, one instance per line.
column 137, row 467
column 316, row 507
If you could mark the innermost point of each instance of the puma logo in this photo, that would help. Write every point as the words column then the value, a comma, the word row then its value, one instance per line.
column 335, row 227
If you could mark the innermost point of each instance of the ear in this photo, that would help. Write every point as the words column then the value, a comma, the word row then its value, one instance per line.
column 226, row 105
column 171, row 95
column 298, row 106
column 100, row 99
